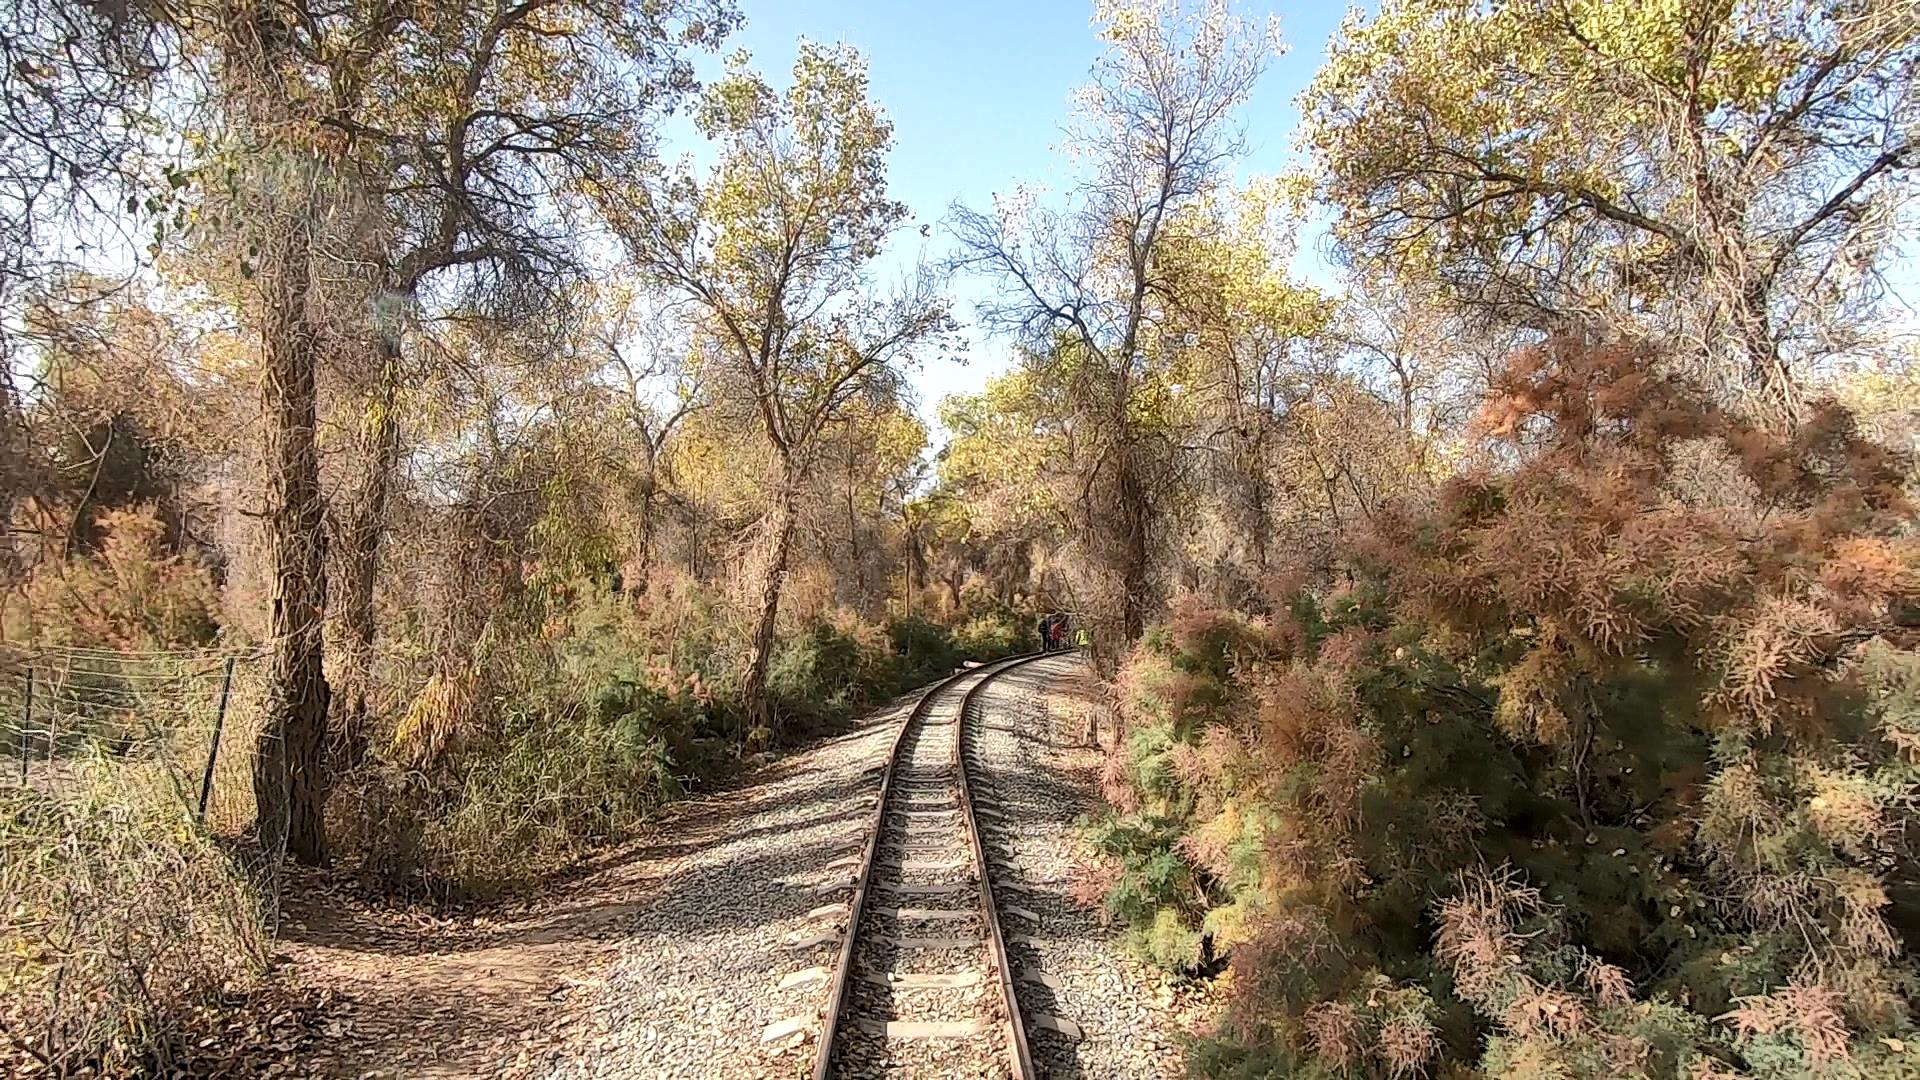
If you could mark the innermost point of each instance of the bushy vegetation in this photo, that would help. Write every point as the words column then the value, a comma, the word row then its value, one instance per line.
column 133, row 592
column 123, row 928
column 1603, row 763
column 555, row 468
column 486, row 785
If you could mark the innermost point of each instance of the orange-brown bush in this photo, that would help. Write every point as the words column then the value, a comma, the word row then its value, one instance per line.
column 1603, row 767
column 133, row 593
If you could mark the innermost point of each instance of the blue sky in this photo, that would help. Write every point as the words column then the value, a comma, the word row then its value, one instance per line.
column 978, row 93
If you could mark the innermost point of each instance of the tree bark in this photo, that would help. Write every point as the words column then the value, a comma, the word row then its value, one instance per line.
column 639, row 565
column 361, row 529
column 289, row 772
column 786, row 512
column 16, row 477
column 853, row 535
column 1134, row 516
column 1772, row 384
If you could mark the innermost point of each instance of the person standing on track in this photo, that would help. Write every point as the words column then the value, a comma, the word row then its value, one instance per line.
column 1046, row 633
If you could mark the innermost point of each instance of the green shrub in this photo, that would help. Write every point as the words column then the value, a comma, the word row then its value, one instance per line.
column 923, row 651
column 502, row 773
column 817, row 676
column 995, row 634
column 550, row 787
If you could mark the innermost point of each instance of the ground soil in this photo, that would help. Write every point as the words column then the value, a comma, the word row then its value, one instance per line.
column 414, row 995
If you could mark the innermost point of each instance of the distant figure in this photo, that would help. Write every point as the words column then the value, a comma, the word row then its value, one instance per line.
column 1046, row 633
column 1082, row 637
column 1059, row 639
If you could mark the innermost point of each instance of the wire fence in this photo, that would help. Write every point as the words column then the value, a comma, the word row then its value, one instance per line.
column 181, row 725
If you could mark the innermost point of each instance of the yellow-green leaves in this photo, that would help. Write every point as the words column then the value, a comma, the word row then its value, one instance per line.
column 1712, row 173
column 769, row 250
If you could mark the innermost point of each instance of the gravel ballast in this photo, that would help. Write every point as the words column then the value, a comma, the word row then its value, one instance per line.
column 696, row 982
column 1032, row 762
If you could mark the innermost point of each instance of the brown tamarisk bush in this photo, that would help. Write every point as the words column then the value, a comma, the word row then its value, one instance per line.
column 1603, row 765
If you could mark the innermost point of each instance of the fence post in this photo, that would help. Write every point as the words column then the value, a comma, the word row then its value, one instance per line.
column 213, row 749
column 26, row 724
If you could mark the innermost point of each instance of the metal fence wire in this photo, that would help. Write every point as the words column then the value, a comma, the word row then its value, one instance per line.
column 179, row 725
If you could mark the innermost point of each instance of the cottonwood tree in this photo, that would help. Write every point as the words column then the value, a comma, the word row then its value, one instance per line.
column 1419, row 354
column 1249, row 335
column 467, row 164
column 372, row 154
column 1081, row 285
column 1003, row 509
column 771, row 249
column 1728, row 176
column 286, row 187
column 646, row 361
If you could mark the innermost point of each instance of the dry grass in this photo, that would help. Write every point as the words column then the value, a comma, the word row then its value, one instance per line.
column 121, row 924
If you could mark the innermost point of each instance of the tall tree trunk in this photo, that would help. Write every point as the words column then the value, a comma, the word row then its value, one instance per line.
column 16, row 473
column 786, row 513
column 1133, row 552
column 853, row 536
column 360, row 530
column 289, row 771
column 1777, row 395
column 639, row 565
column 1259, row 500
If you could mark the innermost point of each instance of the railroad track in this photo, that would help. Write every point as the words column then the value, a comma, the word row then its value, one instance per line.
column 922, row 985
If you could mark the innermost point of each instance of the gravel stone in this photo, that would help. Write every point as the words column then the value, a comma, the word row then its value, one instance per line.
column 1030, row 760
column 698, row 978
column 925, row 777
column 702, row 954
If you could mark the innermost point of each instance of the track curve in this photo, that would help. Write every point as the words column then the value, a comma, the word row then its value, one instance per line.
column 922, row 985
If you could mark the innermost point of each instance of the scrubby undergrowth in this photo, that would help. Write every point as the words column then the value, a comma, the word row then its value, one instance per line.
column 125, row 932
column 490, row 782
column 1602, row 764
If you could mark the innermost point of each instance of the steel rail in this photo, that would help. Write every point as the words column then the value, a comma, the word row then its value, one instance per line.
column 843, row 967
column 1022, row 1057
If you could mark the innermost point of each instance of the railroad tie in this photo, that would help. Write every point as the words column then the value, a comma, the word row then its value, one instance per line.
column 950, row 980
column 813, row 941
column 797, row 1024
column 925, row 1029
column 897, row 864
column 902, row 888
column 833, row 885
column 930, row 942
column 804, row 977
column 927, row 914
column 1040, row 978
column 1055, row 1023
